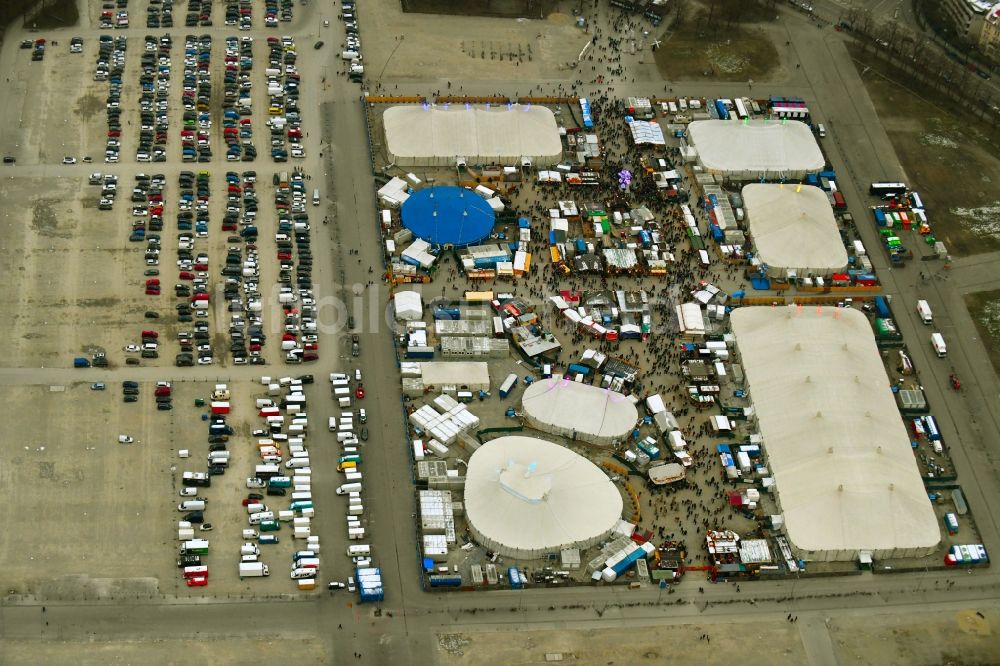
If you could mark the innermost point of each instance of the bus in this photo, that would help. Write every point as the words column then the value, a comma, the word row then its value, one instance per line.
column 886, row 190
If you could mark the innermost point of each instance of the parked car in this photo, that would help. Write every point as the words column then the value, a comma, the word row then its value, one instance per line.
column 99, row 386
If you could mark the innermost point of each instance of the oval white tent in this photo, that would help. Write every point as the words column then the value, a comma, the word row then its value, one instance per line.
column 579, row 411
column 525, row 497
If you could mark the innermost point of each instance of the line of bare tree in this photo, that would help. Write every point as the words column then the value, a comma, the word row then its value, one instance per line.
column 924, row 63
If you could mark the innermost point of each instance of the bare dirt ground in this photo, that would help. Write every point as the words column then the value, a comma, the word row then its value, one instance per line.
column 242, row 650
column 984, row 307
column 950, row 159
column 959, row 637
column 740, row 54
column 432, row 47
column 648, row 645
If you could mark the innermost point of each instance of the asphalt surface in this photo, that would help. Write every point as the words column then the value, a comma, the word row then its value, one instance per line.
column 403, row 633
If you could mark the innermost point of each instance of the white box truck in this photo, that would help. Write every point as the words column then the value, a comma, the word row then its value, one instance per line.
column 937, row 342
column 253, row 570
column 924, row 310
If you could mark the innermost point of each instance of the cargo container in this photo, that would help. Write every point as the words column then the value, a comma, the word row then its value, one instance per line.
column 446, row 581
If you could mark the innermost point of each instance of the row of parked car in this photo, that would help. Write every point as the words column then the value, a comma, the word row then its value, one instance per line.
column 239, row 13
column 154, row 82
column 283, row 99
column 199, row 13
column 110, row 67
column 352, row 42
column 191, row 562
column 237, row 107
column 160, row 14
column 114, row 15
column 283, row 472
column 193, row 269
column 277, row 10
column 196, row 145
column 299, row 340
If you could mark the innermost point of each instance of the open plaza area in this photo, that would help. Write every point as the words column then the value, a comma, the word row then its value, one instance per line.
column 502, row 341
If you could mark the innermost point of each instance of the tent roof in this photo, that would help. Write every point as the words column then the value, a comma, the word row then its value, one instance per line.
column 525, row 497
column 756, row 147
column 840, row 454
column 794, row 227
column 571, row 408
column 434, row 134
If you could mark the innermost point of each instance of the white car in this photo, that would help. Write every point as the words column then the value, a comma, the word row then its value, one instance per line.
column 190, row 491
column 256, row 483
column 69, row 160
column 335, row 585
column 205, row 360
column 131, row 348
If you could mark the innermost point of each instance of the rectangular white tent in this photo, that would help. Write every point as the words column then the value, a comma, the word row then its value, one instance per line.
column 434, row 135
column 840, row 454
column 757, row 148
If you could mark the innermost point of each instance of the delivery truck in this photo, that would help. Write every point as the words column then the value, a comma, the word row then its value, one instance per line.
column 937, row 342
column 253, row 570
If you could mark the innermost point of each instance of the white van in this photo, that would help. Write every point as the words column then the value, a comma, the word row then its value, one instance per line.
column 342, row 390
column 307, row 497
column 257, row 518
column 937, row 342
column 821, row 130
column 352, row 476
column 297, row 462
column 191, row 505
column 255, row 508
column 316, row 197
column 349, row 488
column 359, row 550
column 924, row 310
column 344, row 402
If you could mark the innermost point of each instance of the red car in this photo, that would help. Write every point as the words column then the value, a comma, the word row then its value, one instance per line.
column 152, row 291
column 310, row 356
column 186, row 275
column 150, row 334
column 152, row 281
column 197, row 581
column 162, row 390
column 359, row 392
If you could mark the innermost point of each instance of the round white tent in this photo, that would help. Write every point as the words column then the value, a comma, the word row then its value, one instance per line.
column 525, row 497
column 579, row 411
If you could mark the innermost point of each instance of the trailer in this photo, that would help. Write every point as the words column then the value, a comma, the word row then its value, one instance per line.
column 508, row 385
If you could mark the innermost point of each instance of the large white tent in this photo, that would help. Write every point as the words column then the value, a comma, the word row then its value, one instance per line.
column 473, row 375
column 846, row 477
column 578, row 411
column 435, row 135
column 409, row 305
column 793, row 229
column 756, row 149
column 525, row 497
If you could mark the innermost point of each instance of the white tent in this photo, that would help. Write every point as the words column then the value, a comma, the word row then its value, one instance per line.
column 525, row 497
column 757, row 148
column 409, row 305
column 793, row 229
column 840, row 454
column 435, row 135
column 690, row 320
column 578, row 411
